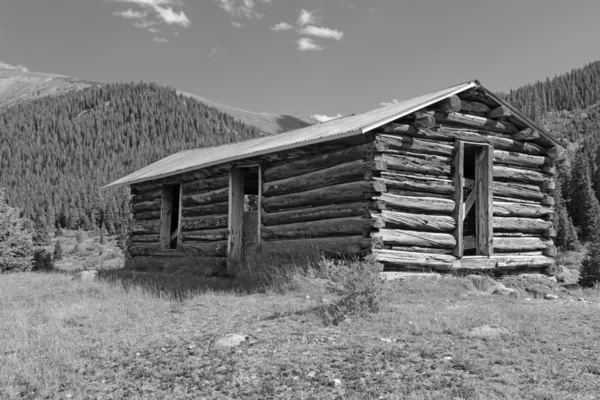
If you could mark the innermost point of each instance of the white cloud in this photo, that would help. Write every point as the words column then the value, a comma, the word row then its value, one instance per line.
column 236, row 24
column 145, row 24
column 322, row 32
column 157, row 39
column 153, row 30
column 246, row 8
column 324, row 118
column 307, row 17
column 282, row 26
column 171, row 17
column 386, row 103
column 152, row 3
column 307, row 44
column 9, row 67
column 214, row 52
column 130, row 14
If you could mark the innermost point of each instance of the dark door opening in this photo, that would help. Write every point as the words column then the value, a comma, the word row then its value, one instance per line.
column 170, row 217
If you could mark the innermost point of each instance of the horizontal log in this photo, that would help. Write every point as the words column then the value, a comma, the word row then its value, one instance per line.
column 145, row 227
column 147, row 196
column 139, row 188
column 550, row 250
column 500, row 142
column 474, row 122
column 548, row 200
column 205, row 235
column 345, row 172
column 206, row 222
column 409, row 130
column 206, row 184
column 408, row 143
column 343, row 193
column 499, row 112
column 502, row 173
column 418, row 183
column 422, row 120
column 418, row 222
column 145, row 239
column 417, row 249
column 514, row 262
column 549, row 169
column 209, row 209
column 396, row 237
column 154, row 205
column 426, row 204
column 524, row 225
column 557, row 153
column 202, row 199
column 548, row 185
column 476, row 263
column 508, row 209
column 520, row 159
column 143, row 249
column 510, row 244
column 205, row 249
column 473, row 106
column 347, row 226
column 518, row 190
column 426, row 165
column 146, row 215
column 527, row 134
column 448, row 105
column 411, row 259
column 313, row 163
column 346, row 246
column 320, row 213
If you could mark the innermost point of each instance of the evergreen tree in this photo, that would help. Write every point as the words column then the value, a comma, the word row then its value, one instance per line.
column 103, row 234
column 584, row 206
column 16, row 244
column 589, row 273
column 58, row 251
column 566, row 234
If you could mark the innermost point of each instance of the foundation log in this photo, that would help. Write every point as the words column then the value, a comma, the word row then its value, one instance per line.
column 395, row 237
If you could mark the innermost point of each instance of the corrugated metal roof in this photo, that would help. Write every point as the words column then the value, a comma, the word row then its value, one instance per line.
column 189, row 160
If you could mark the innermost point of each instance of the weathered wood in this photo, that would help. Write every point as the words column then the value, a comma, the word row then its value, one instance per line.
column 426, row 204
column 499, row 112
column 206, row 184
column 345, row 246
column 518, row 190
column 205, row 249
column 206, row 222
column 520, row 159
column 145, row 239
column 341, row 173
column 524, row 225
column 428, row 223
column 347, row 226
column 154, row 205
column 476, row 263
column 418, row 183
column 396, row 237
column 512, row 244
column 458, row 194
column 484, row 180
column 427, row 165
column 343, row 193
column 143, row 249
column 424, row 121
column 508, row 209
column 313, row 163
column 499, row 141
column 145, row 227
column 474, row 122
column 550, row 250
column 417, row 249
column 320, row 213
column 514, row 262
column 527, row 134
column 548, row 200
column 519, row 175
column 139, row 188
column 206, row 235
column 147, row 196
column 557, row 153
column 202, row 199
column 451, row 104
column 473, row 106
column 235, row 219
column 411, row 259
column 408, row 143
column 146, row 215
column 409, row 130
column 549, row 169
column 548, row 185
column 209, row 209
column 165, row 218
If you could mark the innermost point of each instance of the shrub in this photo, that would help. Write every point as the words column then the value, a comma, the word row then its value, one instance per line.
column 16, row 244
column 42, row 260
column 589, row 274
column 79, row 236
column 357, row 286
column 76, row 249
column 58, row 251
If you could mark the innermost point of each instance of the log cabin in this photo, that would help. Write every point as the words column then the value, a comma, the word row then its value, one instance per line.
column 453, row 180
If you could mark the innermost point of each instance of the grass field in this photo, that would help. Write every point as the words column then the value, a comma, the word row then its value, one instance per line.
column 68, row 339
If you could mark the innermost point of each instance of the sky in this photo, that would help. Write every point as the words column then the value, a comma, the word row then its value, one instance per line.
column 302, row 57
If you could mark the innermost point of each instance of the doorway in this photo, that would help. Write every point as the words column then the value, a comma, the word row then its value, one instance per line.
column 245, row 197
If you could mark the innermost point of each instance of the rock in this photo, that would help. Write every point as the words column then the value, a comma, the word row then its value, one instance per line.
column 85, row 276
column 504, row 291
column 488, row 332
column 550, row 296
column 229, row 341
column 336, row 382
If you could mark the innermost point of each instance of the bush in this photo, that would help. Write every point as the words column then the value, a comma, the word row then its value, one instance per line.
column 589, row 274
column 76, row 249
column 58, row 251
column 42, row 260
column 16, row 244
column 356, row 285
column 79, row 236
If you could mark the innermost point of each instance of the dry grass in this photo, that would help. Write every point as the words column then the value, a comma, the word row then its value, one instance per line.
column 66, row 339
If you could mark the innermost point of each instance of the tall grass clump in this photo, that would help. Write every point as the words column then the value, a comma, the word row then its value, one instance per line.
column 356, row 287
